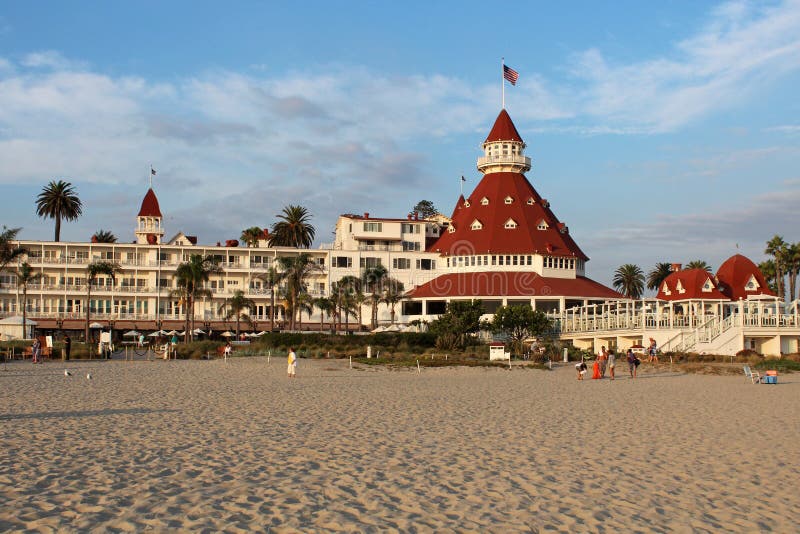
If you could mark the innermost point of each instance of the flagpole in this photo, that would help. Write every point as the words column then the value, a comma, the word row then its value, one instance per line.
column 502, row 79
column 461, row 183
column 150, row 174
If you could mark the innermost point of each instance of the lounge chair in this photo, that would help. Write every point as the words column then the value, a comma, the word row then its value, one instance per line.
column 754, row 376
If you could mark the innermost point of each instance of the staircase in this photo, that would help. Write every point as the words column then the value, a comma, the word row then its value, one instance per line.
column 710, row 331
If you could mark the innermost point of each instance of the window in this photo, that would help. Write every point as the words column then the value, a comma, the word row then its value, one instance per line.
column 410, row 228
column 515, row 260
column 401, row 263
column 494, row 260
column 451, row 229
column 508, row 200
column 708, row 286
column 476, row 225
column 426, row 265
column 341, row 262
column 320, row 262
column 411, row 245
column 484, row 201
column 233, row 282
column 531, row 202
column 373, row 227
column 479, row 260
column 501, row 260
column 368, row 263
column 530, row 260
column 467, row 204
column 542, row 225
column 511, row 224
column 255, row 260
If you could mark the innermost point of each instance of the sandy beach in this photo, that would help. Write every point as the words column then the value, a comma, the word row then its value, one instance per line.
column 209, row 446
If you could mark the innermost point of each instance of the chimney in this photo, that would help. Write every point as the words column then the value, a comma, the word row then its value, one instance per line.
column 366, row 215
column 416, row 215
column 409, row 216
column 675, row 267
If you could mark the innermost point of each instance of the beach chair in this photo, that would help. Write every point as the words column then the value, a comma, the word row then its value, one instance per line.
column 754, row 376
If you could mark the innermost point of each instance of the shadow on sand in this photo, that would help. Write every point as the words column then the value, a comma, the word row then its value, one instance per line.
column 87, row 413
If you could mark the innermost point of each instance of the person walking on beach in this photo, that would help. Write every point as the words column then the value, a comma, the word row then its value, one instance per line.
column 611, row 362
column 596, row 369
column 67, row 346
column 36, row 350
column 631, row 357
column 653, row 352
column 581, row 368
column 602, row 358
column 292, row 360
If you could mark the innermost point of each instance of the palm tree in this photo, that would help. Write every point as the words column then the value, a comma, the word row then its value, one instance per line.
column 26, row 275
column 295, row 271
column 234, row 307
column 629, row 280
column 325, row 306
column 657, row 275
column 353, row 298
column 767, row 268
column 251, row 236
column 271, row 278
column 776, row 247
column 293, row 229
column 58, row 200
column 393, row 293
column 373, row 280
column 104, row 236
column 792, row 259
column 698, row 264
column 93, row 270
column 304, row 304
column 190, row 277
column 8, row 251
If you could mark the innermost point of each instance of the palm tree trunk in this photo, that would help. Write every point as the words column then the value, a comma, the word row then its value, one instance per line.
column 24, row 310
column 237, row 325
column 272, row 308
column 187, row 323
column 88, row 300
column 58, row 228
column 392, row 313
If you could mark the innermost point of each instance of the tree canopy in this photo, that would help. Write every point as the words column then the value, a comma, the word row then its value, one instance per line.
column 425, row 208
column 104, row 236
column 293, row 229
column 629, row 280
column 520, row 322
column 453, row 328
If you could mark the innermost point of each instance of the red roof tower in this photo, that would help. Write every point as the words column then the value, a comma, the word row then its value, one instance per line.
column 505, row 220
column 149, row 229
column 738, row 278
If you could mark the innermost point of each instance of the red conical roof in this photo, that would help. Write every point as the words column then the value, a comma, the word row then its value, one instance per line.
column 503, row 129
column 735, row 274
column 150, row 205
column 537, row 229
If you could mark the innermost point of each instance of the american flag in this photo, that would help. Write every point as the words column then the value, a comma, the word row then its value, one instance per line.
column 510, row 74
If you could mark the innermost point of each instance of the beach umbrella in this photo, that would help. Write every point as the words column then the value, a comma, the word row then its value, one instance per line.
column 181, row 334
column 379, row 329
column 198, row 332
column 227, row 334
column 262, row 332
column 393, row 328
column 171, row 333
column 131, row 333
column 156, row 333
column 95, row 325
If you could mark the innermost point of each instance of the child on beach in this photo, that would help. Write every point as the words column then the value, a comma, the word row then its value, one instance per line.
column 632, row 359
column 292, row 360
column 611, row 362
column 581, row 368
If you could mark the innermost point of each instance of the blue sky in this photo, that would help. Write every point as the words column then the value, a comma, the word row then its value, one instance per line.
column 659, row 131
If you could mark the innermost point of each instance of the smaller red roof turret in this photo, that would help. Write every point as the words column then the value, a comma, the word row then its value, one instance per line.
column 503, row 129
column 738, row 277
column 150, row 206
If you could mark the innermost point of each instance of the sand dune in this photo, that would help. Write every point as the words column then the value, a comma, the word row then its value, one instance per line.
column 237, row 447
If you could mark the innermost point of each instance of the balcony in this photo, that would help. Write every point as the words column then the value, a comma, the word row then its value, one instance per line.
column 514, row 163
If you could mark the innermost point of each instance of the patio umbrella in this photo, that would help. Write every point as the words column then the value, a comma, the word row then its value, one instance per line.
column 156, row 333
column 131, row 333
column 379, row 329
column 171, row 333
column 198, row 332
column 227, row 334
column 95, row 325
column 393, row 328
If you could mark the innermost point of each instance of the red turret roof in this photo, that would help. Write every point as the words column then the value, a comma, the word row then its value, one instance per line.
column 691, row 284
column 510, row 284
column 736, row 273
column 503, row 129
column 527, row 210
column 150, row 205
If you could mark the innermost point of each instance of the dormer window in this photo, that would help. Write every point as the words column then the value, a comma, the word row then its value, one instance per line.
column 511, row 224
column 530, row 201
column 679, row 287
column 542, row 225
column 484, row 201
column 466, row 204
column 451, row 229
column 665, row 289
column 708, row 286
column 752, row 284
column 508, row 200
column 476, row 225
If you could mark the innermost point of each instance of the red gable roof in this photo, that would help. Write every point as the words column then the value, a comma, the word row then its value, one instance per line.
column 511, row 284
column 503, row 129
column 688, row 284
column 150, row 205
column 494, row 237
column 734, row 275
